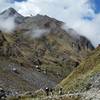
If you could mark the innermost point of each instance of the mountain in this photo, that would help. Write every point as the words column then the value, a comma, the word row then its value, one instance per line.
column 38, row 53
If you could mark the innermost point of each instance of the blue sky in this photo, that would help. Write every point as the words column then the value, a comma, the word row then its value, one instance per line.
column 20, row 0
column 96, row 3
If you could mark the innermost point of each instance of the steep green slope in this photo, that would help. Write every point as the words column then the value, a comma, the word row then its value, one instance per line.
column 79, row 79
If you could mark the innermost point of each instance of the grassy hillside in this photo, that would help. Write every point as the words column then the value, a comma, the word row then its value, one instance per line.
column 78, row 80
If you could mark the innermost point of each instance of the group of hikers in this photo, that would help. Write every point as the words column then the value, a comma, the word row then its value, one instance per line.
column 50, row 91
column 2, row 94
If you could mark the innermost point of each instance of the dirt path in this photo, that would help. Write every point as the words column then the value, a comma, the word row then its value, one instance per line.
column 79, row 96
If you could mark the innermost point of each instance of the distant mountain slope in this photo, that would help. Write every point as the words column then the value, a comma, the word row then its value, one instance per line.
column 38, row 41
column 86, row 76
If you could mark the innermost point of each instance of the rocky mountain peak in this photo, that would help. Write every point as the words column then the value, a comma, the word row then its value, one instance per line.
column 11, row 12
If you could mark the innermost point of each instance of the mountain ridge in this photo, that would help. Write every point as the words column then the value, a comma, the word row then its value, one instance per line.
column 55, row 52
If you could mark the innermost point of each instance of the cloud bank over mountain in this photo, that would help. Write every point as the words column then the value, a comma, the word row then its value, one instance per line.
column 79, row 15
column 7, row 25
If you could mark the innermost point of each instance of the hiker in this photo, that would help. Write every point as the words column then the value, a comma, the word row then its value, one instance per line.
column 51, row 91
column 38, row 68
column 47, row 91
column 60, row 91
column 2, row 94
column 45, row 71
column 98, row 46
column 58, row 74
column 15, row 70
column 73, row 45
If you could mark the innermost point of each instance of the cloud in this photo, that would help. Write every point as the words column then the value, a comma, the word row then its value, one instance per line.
column 7, row 25
column 90, row 29
column 37, row 33
column 4, row 4
column 75, row 13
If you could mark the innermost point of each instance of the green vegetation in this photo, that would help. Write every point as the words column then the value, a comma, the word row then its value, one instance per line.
column 78, row 79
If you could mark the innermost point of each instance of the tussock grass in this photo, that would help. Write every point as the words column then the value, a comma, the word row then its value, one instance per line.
column 77, row 80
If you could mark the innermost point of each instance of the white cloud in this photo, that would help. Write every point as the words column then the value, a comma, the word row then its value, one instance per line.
column 37, row 33
column 7, row 25
column 90, row 29
column 69, row 11
column 27, row 8
column 4, row 4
